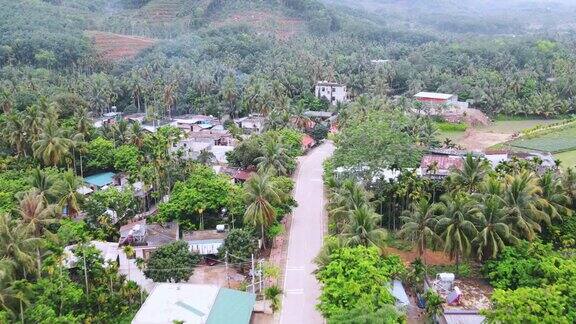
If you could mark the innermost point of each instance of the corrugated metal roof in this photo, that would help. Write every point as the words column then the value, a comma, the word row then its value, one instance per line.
column 231, row 307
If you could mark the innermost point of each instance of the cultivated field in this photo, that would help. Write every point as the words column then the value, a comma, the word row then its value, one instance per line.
column 481, row 137
column 264, row 22
column 116, row 47
column 555, row 142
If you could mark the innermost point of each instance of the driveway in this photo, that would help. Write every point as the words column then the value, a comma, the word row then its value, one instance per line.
column 301, row 290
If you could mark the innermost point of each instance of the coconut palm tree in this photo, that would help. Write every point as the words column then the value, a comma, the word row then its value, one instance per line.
column 137, row 135
column 362, row 229
column 43, row 184
column 67, row 193
column 274, row 156
column 556, row 201
column 344, row 199
column 472, row 174
column 15, row 133
column 493, row 233
column 261, row 193
column 455, row 226
column 17, row 244
column 419, row 225
column 37, row 215
column 522, row 200
column 52, row 147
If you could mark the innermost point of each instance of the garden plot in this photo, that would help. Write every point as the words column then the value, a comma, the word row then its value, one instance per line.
column 561, row 141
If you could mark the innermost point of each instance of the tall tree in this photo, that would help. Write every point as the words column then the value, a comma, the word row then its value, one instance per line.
column 455, row 226
column 52, row 147
column 362, row 229
column 522, row 200
column 261, row 193
column 419, row 225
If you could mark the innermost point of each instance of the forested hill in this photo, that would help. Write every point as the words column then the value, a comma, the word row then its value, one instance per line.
column 239, row 56
column 473, row 16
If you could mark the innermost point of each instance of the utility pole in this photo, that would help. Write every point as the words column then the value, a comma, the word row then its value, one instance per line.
column 253, row 274
column 85, row 269
column 260, row 270
column 227, row 276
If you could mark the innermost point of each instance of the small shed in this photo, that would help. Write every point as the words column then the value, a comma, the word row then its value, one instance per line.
column 205, row 242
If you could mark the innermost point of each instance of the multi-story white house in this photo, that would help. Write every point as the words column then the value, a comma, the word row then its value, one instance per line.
column 331, row 91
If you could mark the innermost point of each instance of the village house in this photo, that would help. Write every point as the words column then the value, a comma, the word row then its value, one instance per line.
column 253, row 124
column 195, row 123
column 108, row 252
column 147, row 237
column 308, row 142
column 332, row 92
column 439, row 166
column 195, row 304
column 206, row 242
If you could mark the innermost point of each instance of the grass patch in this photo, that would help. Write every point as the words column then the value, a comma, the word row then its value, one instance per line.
column 451, row 127
column 567, row 158
column 558, row 141
column 516, row 126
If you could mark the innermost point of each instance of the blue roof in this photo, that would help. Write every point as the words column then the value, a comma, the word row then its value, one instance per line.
column 100, row 179
column 232, row 307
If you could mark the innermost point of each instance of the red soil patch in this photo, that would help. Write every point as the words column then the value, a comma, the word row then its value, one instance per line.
column 476, row 140
column 431, row 257
column 264, row 22
column 116, row 47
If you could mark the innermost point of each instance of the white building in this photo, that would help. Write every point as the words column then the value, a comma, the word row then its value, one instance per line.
column 206, row 242
column 331, row 91
column 189, row 148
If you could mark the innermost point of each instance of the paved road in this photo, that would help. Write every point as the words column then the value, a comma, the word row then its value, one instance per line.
column 301, row 289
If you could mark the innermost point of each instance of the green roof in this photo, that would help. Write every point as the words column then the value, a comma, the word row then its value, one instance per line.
column 231, row 307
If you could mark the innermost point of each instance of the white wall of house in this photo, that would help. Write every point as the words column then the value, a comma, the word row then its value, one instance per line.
column 206, row 247
column 332, row 92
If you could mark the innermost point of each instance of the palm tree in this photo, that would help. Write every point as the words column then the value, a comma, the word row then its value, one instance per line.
column 455, row 226
column 43, row 184
column 556, row 201
column 362, row 229
column 522, row 200
column 206, row 157
column 15, row 133
column 67, row 192
column 493, row 233
column 472, row 173
column 17, row 245
column 137, row 135
column 419, row 225
column 569, row 185
column 52, row 146
column 37, row 215
column 344, row 199
column 261, row 193
column 274, row 156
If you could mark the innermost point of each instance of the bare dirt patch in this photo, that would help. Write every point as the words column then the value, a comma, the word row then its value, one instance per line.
column 478, row 140
column 117, row 47
column 432, row 257
column 264, row 22
column 216, row 275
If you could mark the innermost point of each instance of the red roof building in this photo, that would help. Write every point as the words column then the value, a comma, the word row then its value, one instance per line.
column 440, row 165
column 307, row 142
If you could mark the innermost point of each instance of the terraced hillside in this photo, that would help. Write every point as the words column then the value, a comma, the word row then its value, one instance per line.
column 116, row 47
